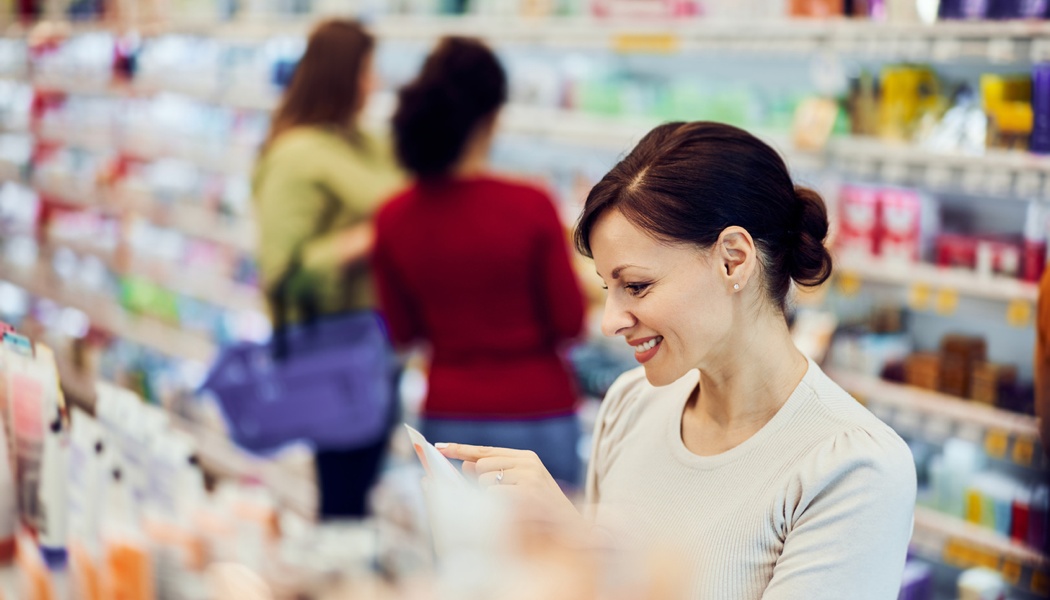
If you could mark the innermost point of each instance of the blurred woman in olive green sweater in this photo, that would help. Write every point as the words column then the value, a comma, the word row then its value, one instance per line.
column 318, row 181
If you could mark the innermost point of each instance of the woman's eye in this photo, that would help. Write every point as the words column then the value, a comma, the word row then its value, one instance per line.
column 636, row 289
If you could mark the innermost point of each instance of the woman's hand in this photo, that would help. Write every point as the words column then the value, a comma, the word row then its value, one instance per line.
column 518, row 474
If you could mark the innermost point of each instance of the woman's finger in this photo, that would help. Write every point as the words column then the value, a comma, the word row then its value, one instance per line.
column 466, row 452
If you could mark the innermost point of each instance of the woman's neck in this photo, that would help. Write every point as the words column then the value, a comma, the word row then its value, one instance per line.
column 752, row 379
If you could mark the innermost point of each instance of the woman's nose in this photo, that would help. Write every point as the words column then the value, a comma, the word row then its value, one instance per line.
column 615, row 319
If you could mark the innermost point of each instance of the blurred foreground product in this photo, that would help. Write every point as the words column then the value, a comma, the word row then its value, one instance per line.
column 981, row 584
column 8, row 503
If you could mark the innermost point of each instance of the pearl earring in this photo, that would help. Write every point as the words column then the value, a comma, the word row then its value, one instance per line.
column 736, row 286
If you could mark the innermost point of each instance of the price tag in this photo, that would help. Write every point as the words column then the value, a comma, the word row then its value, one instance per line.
column 919, row 296
column 1040, row 583
column 650, row 43
column 953, row 554
column 1024, row 451
column 1011, row 571
column 947, row 301
column 987, row 559
column 995, row 443
column 1019, row 313
column 848, row 283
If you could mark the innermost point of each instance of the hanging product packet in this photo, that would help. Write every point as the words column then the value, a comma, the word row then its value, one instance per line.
column 25, row 389
column 86, row 466
column 53, row 492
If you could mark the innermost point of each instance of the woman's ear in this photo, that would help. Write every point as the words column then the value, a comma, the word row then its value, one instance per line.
column 736, row 251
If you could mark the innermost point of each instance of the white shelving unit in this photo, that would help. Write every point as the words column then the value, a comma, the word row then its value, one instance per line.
column 104, row 313
column 963, row 282
column 961, row 544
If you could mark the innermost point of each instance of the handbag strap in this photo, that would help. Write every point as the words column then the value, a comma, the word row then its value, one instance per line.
column 304, row 300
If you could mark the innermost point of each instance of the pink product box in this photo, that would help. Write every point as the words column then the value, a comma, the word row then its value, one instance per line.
column 645, row 8
column 900, row 225
column 887, row 223
column 858, row 222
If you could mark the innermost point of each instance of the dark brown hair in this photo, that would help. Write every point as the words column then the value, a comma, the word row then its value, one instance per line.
column 326, row 86
column 461, row 84
column 686, row 182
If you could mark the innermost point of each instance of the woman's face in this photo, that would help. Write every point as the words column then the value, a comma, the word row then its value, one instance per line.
column 670, row 302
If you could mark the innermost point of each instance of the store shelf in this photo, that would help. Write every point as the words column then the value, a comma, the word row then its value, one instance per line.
column 184, row 216
column 104, row 313
column 933, row 404
column 213, row 289
column 944, row 538
column 991, row 41
column 963, row 282
column 217, row 454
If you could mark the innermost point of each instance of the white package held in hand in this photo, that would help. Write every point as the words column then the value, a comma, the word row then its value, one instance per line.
column 438, row 468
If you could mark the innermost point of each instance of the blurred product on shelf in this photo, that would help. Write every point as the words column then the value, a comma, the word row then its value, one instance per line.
column 982, row 584
column 476, row 266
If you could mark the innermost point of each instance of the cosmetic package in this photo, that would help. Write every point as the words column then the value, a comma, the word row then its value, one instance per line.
column 1040, row 139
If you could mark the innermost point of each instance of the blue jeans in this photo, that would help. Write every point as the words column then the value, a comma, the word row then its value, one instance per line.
column 554, row 440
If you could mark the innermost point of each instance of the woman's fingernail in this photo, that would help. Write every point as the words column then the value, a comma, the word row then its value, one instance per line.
column 441, row 445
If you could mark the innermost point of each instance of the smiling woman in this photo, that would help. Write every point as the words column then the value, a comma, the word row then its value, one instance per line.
column 727, row 443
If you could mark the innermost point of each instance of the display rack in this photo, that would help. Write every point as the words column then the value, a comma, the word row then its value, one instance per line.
column 1005, row 435
column 217, row 454
column 103, row 312
column 996, row 42
column 934, row 279
column 942, row 538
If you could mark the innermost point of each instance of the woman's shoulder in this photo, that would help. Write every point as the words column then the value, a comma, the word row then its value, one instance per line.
column 851, row 437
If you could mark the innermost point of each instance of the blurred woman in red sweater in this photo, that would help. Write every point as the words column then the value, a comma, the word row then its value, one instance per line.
column 477, row 266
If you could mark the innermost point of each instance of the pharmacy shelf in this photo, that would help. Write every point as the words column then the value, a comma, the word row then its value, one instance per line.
column 993, row 172
column 956, row 542
column 933, row 404
column 104, row 313
column 188, row 218
column 991, row 41
column 963, row 282
column 213, row 289
column 218, row 456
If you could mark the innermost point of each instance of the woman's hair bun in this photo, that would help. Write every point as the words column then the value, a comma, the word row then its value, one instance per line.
column 810, row 261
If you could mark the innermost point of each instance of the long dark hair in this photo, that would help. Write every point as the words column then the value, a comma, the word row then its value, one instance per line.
column 326, row 86
column 686, row 182
column 461, row 84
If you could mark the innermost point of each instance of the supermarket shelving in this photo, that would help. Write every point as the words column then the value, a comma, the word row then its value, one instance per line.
column 217, row 454
column 961, row 544
column 103, row 312
column 963, row 282
column 994, row 42
column 996, row 172
column 873, row 389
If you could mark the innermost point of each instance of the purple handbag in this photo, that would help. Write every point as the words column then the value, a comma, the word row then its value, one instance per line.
column 329, row 382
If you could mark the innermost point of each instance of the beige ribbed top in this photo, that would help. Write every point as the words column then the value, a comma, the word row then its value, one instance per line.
column 818, row 504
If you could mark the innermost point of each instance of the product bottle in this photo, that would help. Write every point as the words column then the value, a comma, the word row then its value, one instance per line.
column 127, row 572
column 54, row 490
column 1034, row 260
